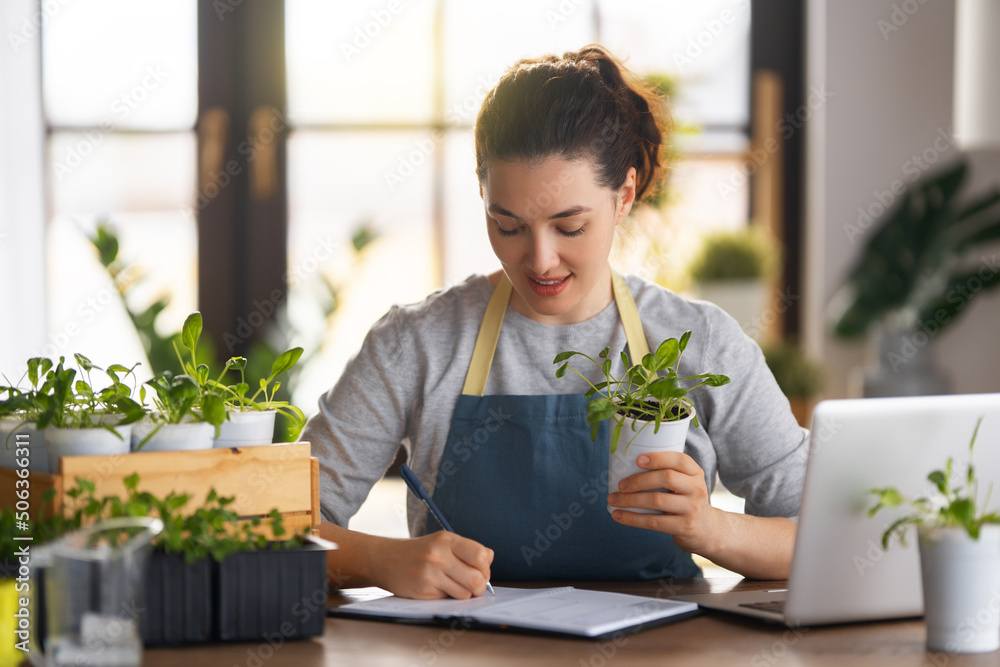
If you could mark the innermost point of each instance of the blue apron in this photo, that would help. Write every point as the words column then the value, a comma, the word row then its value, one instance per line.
column 520, row 475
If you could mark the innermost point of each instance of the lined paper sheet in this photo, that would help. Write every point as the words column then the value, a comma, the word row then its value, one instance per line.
column 565, row 610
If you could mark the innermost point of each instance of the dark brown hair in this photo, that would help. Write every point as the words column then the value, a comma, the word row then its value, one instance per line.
column 583, row 104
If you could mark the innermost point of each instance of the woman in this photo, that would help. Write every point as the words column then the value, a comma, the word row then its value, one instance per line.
column 564, row 148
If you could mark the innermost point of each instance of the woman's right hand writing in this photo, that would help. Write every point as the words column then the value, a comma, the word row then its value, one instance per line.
column 438, row 565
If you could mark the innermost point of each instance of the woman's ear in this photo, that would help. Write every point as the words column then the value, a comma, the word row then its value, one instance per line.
column 625, row 197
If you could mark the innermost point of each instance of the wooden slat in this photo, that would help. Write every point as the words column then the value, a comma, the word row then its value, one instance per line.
column 260, row 478
column 315, row 491
column 38, row 484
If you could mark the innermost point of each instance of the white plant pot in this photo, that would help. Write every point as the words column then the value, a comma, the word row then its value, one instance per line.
column 621, row 463
column 10, row 428
column 745, row 300
column 173, row 437
column 961, row 579
column 246, row 429
column 85, row 442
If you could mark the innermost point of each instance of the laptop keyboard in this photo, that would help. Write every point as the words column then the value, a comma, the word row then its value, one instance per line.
column 773, row 606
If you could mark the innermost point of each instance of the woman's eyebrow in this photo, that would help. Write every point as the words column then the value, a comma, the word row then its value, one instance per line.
column 568, row 213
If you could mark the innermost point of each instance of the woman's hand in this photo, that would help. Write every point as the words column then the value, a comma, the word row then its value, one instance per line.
column 689, row 517
column 438, row 565
column 756, row 547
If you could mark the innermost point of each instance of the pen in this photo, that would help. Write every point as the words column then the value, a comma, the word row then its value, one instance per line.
column 420, row 492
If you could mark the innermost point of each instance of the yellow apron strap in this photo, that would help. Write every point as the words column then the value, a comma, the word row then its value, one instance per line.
column 637, row 345
column 486, row 341
column 489, row 331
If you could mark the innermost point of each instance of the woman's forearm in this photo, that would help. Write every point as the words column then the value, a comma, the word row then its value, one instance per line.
column 756, row 547
column 348, row 566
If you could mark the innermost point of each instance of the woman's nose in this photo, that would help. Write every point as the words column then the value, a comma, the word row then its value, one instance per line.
column 542, row 256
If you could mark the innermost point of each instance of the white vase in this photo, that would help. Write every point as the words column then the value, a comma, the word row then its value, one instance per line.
column 173, row 437
column 10, row 429
column 85, row 442
column 670, row 437
column 246, row 429
column 961, row 579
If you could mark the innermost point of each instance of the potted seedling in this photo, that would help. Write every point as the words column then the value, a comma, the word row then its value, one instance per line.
column 652, row 413
column 81, row 420
column 959, row 544
column 249, row 417
column 212, row 575
column 732, row 270
column 19, row 413
column 183, row 418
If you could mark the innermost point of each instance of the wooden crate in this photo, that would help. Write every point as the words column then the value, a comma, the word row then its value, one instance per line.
column 283, row 476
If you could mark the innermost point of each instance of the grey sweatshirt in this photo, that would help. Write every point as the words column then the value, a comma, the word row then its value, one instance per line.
column 402, row 385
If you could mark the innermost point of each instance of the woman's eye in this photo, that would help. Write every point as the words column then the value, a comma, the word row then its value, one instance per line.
column 574, row 232
column 504, row 232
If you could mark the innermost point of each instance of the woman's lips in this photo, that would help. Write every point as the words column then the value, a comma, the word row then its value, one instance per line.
column 549, row 287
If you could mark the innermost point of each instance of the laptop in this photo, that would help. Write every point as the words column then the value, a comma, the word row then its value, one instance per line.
column 840, row 573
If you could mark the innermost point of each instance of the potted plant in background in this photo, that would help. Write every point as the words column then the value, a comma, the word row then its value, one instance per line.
column 732, row 271
column 183, row 418
column 959, row 544
column 916, row 274
column 652, row 412
column 800, row 378
column 19, row 414
column 81, row 420
column 249, row 420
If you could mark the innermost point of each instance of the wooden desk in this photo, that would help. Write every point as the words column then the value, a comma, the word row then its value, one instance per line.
column 711, row 640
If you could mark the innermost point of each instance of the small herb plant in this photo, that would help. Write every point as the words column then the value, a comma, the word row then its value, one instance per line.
column 213, row 529
column 234, row 396
column 65, row 401
column 952, row 506
column 640, row 393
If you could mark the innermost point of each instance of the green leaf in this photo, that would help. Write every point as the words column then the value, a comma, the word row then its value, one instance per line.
column 85, row 363
column 666, row 353
column 563, row 356
column 649, row 362
column 285, row 361
column 213, row 409
column 940, row 480
column 131, row 482
column 716, row 380
column 684, row 340
column 561, row 371
column 236, row 363
column 191, row 331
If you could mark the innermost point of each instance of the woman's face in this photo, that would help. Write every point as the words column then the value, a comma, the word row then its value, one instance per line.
column 551, row 224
